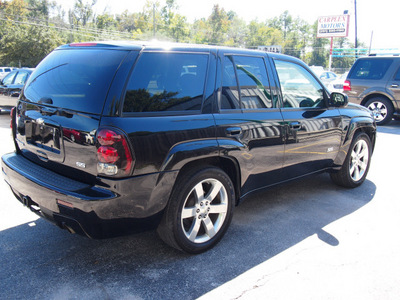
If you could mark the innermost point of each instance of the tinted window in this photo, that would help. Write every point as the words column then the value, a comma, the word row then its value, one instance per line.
column 75, row 79
column 397, row 77
column 9, row 78
column 230, row 93
column 370, row 68
column 21, row 78
column 253, row 83
column 299, row 88
column 166, row 82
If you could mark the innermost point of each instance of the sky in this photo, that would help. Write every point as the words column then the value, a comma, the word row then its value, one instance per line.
column 378, row 19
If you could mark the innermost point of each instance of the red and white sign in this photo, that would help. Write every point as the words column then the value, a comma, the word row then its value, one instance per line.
column 333, row 26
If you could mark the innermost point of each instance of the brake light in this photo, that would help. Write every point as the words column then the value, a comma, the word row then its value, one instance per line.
column 347, row 85
column 114, row 156
column 83, row 44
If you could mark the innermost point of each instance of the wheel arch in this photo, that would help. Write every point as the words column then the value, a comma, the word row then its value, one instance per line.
column 359, row 124
column 228, row 165
column 376, row 95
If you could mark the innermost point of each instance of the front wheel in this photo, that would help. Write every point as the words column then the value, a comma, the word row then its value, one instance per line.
column 357, row 162
column 199, row 211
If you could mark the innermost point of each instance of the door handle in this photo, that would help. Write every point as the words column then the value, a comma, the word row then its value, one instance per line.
column 233, row 131
column 295, row 125
column 395, row 85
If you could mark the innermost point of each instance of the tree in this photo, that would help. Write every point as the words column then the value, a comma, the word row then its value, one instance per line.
column 23, row 44
column 82, row 13
column 237, row 32
column 319, row 55
column 218, row 25
column 260, row 34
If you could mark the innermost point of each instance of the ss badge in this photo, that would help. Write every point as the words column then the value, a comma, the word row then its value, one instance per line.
column 80, row 164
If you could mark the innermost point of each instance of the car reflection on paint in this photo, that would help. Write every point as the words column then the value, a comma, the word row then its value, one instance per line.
column 11, row 86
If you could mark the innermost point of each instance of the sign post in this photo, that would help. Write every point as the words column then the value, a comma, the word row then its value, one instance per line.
column 333, row 26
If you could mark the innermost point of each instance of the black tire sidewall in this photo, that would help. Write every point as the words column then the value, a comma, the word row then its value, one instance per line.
column 181, row 191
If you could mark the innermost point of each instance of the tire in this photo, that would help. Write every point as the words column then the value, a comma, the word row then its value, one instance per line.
column 199, row 211
column 356, row 165
column 382, row 109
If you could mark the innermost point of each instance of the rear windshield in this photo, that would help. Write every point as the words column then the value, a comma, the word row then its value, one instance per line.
column 74, row 79
column 370, row 69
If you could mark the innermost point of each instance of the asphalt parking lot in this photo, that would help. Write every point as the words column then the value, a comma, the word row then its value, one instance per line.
column 308, row 239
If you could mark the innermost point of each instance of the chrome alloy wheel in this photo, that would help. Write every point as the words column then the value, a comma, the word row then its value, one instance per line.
column 379, row 110
column 204, row 210
column 359, row 160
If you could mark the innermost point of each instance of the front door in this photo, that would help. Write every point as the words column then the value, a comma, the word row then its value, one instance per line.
column 313, row 130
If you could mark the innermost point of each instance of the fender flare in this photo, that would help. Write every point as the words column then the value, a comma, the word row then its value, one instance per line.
column 362, row 123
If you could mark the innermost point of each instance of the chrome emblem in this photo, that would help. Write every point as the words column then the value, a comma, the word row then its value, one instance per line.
column 80, row 164
column 40, row 121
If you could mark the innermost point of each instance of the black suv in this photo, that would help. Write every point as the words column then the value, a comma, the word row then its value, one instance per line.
column 174, row 135
column 374, row 82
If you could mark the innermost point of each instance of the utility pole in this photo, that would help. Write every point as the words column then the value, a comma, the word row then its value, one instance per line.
column 154, row 20
column 355, row 19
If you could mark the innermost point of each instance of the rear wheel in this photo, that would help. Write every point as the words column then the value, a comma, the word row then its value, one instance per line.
column 356, row 165
column 199, row 212
column 381, row 108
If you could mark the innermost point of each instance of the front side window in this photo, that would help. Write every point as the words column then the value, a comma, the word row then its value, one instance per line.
column 299, row 88
column 397, row 77
column 165, row 82
column 8, row 79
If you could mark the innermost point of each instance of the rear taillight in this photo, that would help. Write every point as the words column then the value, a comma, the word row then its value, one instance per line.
column 347, row 85
column 12, row 117
column 114, row 157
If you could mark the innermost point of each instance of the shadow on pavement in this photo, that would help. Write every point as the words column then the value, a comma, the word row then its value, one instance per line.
column 43, row 261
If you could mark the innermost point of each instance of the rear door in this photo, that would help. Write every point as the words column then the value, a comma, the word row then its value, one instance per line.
column 249, row 122
column 313, row 130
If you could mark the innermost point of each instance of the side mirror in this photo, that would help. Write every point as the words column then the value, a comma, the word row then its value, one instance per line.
column 338, row 100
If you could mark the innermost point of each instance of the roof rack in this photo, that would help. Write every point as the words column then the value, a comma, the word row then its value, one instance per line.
column 384, row 54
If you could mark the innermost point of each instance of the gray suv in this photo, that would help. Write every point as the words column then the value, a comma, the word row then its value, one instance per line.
column 374, row 82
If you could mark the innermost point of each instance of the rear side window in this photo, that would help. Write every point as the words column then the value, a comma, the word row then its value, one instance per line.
column 373, row 69
column 21, row 77
column 166, row 82
column 253, row 92
column 75, row 79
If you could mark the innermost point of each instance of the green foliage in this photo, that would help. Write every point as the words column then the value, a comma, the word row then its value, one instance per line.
column 30, row 29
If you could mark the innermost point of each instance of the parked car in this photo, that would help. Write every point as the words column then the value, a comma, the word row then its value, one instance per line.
column 337, row 84
column 11, row 86
column 374, row 82
column 325, row 76
column 4, row 71
column 175, row 136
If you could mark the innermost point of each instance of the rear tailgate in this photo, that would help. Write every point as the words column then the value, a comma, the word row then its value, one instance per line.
column 59, row 111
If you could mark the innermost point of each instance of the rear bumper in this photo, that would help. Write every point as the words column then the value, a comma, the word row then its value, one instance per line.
column 101, row 210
